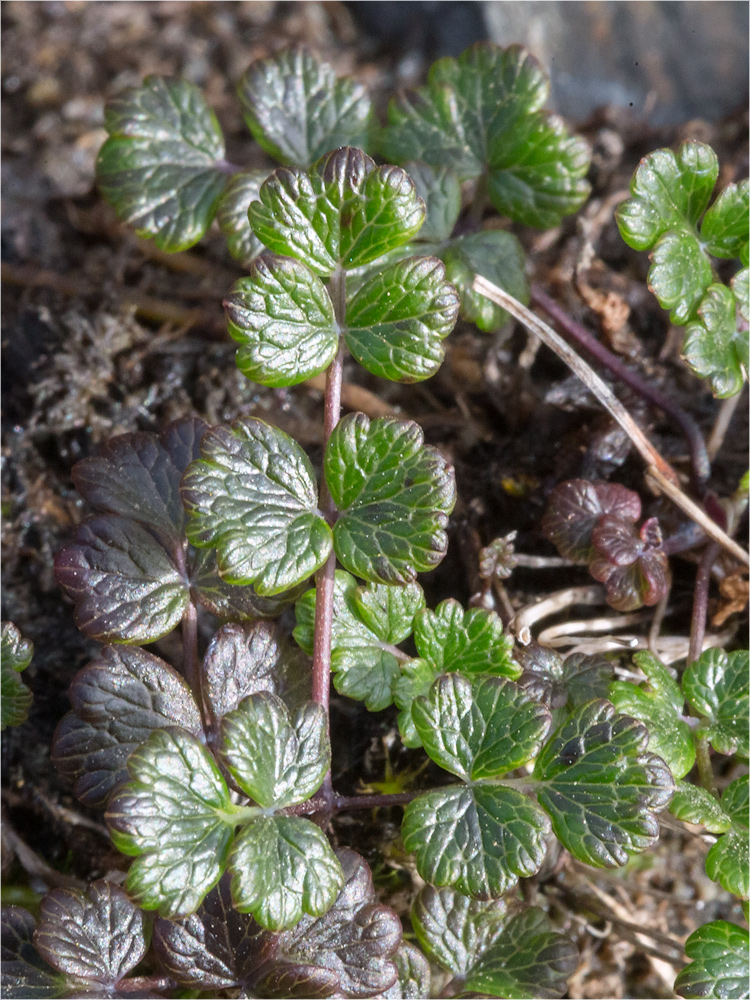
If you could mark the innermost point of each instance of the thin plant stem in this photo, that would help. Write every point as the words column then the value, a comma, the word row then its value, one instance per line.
column 191, row 665
column 658, row 470
column 721, row 424
column 705, row 770
column 699, row 456
column 697, row 634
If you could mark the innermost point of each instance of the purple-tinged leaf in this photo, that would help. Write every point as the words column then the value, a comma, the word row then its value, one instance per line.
column 118, row 700
column 217, row 947
column 616, row 540
column 125, row 586
column 94, row 935
column 413, row 975
column 574, row 508
column 349, row 950
column 25, row 974
column 229, row 601
column 630, row 564
column 138, row 476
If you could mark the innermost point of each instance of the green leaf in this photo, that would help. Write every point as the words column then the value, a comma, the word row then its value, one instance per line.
column 161, row 166
column 174, row 816
column 497, row 256
column 366, row 622
column 741, row 289
column 725, row 226
column 252, row 497
column 528, row 960
column 231, row 215
column 414, row 978
column 479, row 839
column 283, row 320
column 276, row 758
column 658, row 704
column 715, row 346
column 282, row 867
column 481, row 729
column 344, row 213
column 15, row 656
column 416, row 678
column 693, row 804
column 394, row 495
column 125, row 586
column 720, row 953
column 481, row 112
column 24, row 971
column 717, row 687
column 600, row 788
column 397, row 320
column 728, row 860
column 440, row 190
column 669, row 192
column 454, row 930
column 679, row 275
column 297, row 110
column 226, row 600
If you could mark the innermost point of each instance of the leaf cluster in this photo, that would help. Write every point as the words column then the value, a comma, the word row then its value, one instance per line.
column 15, row 657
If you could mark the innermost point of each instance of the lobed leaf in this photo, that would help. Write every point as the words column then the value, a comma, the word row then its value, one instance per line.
column 173, row 815
column 693, row 804
column 397, row 320
column 231, row 215
column 252, row 497
column 586, row 677
column 297, row 110
column 717, row 687
column 344, row 213
column 92, row 934
column 455, row 930
column 276, row 758
column 716, row 345
column 161, row 167
column 440, row 190
column 728, row 861
column 229, row 601
column 15, row 656
column 394, row 495
column 283, row 319
column 495, row 255
column 720, row 953
column 600, row 788
column 366, row 622
column 282, row 867
column 24, row 971
column 741, row 289
column 414, row 978
column 726, row 224
column 574, row 508
column 679, row 275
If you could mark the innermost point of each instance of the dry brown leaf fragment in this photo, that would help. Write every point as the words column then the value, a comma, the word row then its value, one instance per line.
column 734, row 590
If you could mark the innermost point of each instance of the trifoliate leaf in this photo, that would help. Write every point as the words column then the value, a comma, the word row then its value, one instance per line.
column 137, row 476
column 574, row 508
column 92, row 934
column 658, row 704
column 118, row 700
column 297, row 110
column 528, row 960
column 481, row 729
column 478, row 839
column 282, row 867
column 669, row 192
column 125, row 586
column 226, row 600
column 367, row 623
column 216, row 948
column 283, row 320
column 715, row 346
column 350, row 950
column 726, row 224
column 495, row 255
column 394, row 495
column 600, row 788
column 720, row 954
column 397, row 320
column 276, row 758
column 252, row 497
column 175, row 815
column 693, row 804
column 741, row 289
column 161, row 166
column 231, row 215
column 14, row 658
column 481, row 112
column 728, row 860
column 344, row 213
column 454, row 930
column 440, row 190
column 24, row 971
column 414, row 978
column 717, row 687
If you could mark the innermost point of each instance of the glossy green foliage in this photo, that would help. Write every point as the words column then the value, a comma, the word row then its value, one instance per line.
column 717, row 685
column 393, row 494
column 297, row 110
column 719, row 954
column 728, row 861
column 161, row 167
column 481, row 114
column 693, row 804
column 716, row 342
column 231, row 215
column 368, row 623
column 15, row 656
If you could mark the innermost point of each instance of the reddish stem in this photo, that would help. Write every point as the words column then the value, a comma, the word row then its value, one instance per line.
column 337, row 803
column 700, row 600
